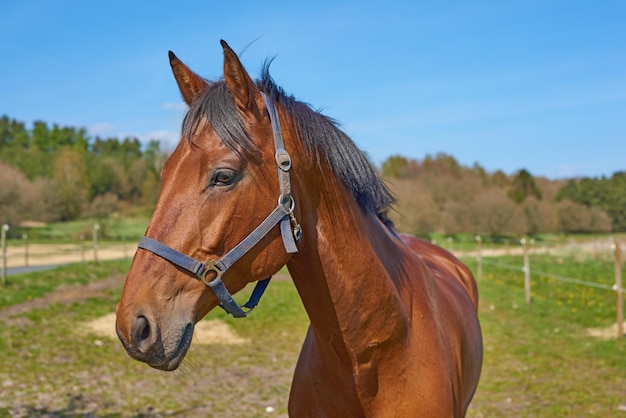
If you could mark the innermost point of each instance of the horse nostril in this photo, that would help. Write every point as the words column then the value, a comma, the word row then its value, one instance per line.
column 141, row 332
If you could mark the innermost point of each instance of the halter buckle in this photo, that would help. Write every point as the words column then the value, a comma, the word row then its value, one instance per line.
column 209, row 265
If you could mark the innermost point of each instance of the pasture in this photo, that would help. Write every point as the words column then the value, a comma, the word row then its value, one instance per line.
column 540, row 359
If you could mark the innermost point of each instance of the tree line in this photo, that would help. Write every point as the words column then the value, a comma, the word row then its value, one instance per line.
column 437, row 194
column 54, row 173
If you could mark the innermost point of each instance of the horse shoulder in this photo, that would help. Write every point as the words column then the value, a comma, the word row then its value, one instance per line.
column 448, row 269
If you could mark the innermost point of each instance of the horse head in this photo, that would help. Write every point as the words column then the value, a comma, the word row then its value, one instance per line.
column 209, row 234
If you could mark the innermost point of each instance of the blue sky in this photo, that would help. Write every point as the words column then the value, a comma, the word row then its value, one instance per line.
column 535, row 84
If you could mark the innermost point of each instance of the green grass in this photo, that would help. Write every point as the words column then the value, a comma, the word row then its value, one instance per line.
column 551, row 282
column 539, row 359
column 52, row 366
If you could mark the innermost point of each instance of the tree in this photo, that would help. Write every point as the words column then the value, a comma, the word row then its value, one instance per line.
column 12, row 134
column 523, row 186
column 48, row 204
column 442, row 164
column 539, row 216
column 614, row 200
column 16, row 195
column 496, row 214
column 40, row 137
column 101, row 176
column 499, row 179
column 416, row 213
column 69, row 177
column 395, row 166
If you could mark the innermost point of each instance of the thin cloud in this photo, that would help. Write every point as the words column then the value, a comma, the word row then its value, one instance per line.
column 100, row 129
column 178, row 106
column 570, row 170
column 167, row 139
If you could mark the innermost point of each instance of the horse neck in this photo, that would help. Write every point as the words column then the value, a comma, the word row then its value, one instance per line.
column 342, row 271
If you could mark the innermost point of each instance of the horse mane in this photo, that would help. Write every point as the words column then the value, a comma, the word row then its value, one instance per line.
column 320, row 134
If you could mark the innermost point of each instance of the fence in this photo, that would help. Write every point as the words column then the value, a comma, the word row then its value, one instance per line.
column 23, row 253
column 525, row 248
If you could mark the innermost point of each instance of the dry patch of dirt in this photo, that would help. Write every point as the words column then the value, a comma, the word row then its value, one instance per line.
column 215, row 331
column 210, row 332
column 607, row 333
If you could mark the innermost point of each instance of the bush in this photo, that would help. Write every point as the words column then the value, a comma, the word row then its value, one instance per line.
column 16, row 195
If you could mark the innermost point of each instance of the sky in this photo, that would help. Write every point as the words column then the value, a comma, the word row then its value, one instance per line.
column 533, row 84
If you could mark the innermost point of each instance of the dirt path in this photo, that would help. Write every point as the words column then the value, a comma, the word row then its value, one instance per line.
column 45, row 254
column 64, row 294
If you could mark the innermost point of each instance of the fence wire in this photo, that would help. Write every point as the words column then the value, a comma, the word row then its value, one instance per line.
column 553, row 276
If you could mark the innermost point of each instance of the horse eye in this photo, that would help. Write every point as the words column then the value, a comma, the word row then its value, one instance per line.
column 223, row 178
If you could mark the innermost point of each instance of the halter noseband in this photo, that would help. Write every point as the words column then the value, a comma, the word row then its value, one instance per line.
column 283, row 214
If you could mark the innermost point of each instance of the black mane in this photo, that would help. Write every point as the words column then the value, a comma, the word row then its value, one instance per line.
column 320, row 135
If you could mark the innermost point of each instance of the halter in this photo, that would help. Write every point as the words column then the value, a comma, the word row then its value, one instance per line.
column 283, row 214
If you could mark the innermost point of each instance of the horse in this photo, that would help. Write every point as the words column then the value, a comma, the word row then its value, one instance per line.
column 260, row 180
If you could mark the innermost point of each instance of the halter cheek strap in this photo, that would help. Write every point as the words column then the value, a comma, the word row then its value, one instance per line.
column 283, row 214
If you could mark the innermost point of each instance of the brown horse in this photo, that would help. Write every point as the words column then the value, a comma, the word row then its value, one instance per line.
column 394, row 328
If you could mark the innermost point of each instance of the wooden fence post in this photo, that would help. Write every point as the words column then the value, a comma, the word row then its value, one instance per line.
column 618, row 290
column 96, row 227
column 82, row 247
column 479, row 258
column 25, row 238
column 5, row 228
column 525, row 241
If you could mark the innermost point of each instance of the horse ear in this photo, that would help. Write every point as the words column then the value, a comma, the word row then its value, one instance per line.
column 239, row 83
column 189, row 83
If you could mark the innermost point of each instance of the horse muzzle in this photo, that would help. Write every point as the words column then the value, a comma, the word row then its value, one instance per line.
column 146, row 341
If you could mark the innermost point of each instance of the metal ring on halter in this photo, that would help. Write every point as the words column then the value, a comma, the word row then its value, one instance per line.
column 283, row 159
column 209, row 265
column 281, row 201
